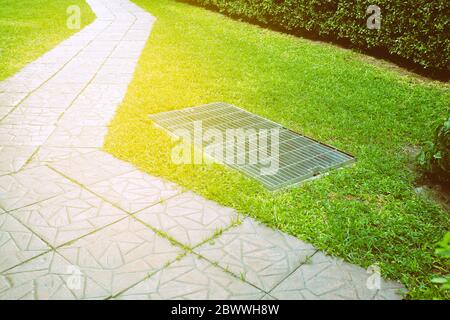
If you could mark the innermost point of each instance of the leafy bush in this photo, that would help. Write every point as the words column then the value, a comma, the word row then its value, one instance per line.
column 411, row 29
column 443, row 250
column 434, row 159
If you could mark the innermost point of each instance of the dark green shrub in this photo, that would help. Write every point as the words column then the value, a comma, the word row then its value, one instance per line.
column 434, row 159
column 415, row 30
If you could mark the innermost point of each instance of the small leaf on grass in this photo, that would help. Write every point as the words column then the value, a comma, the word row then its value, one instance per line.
column 444, row 253
column 437, row 155
column 440, row 280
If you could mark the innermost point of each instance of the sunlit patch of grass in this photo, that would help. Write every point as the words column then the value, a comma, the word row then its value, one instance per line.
column 367, row 213
column 29, row 28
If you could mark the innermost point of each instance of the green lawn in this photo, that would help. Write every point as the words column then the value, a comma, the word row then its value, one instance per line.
column 29, row 28
column 368, row 213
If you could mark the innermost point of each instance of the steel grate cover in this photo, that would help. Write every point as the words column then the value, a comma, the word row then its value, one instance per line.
column 268, row 152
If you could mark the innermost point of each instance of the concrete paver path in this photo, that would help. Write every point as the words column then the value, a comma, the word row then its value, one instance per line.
column 77, row 223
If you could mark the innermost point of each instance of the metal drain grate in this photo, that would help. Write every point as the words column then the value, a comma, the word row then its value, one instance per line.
column 296, row 157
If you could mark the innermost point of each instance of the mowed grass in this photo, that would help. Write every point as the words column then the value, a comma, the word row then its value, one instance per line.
column 29, row 28
column 366, row 214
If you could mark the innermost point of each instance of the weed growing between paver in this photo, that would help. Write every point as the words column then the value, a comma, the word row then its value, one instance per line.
column 29, row 28
column 368, row 213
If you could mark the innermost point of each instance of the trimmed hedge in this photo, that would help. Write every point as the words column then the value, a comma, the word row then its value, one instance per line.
column 415, row 30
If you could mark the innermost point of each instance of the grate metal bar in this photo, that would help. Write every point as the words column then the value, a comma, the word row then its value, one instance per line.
column 298, row 157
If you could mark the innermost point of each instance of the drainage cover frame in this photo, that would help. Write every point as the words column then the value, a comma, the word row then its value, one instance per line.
column 304, row 151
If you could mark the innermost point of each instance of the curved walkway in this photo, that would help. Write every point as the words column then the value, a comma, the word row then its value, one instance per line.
column 76, row 223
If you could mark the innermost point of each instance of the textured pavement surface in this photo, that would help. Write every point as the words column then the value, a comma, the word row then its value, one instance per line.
column 77, row 223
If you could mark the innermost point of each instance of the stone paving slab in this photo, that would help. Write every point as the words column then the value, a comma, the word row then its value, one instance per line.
column 30, row 186
column 78, row 137
column 188, row 218
column 11, row 99
column 45, row 97
column 24, row 134
column 192, row 278
column 30, row 78
column 135, row 190
column 15, row 84
column 48, row 155
column 13, row 158
column 48, row 277
column 87, row 116
column 77, row 223
column 85, row 171
column 4, row 111
column 107, row 77
column 260, row 255
column 268, row 297
column 325, row 277
column 69, row 216
column 120, row 255
column 100, row 96
column 119, row 65
column 33, row 116
column 62, row 88
column 17, row 243
column 59, row 54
